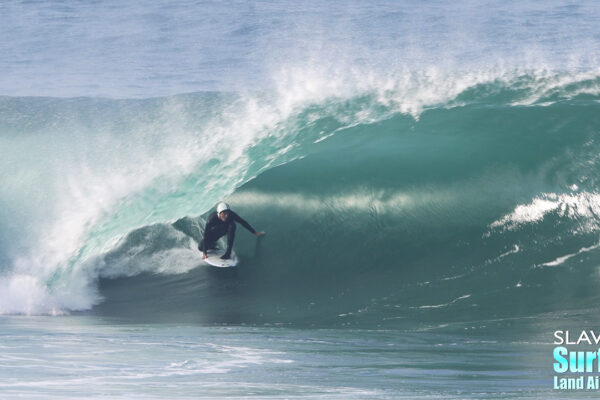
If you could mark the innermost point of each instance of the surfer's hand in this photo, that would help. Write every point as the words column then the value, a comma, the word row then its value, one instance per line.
column 259, row 233
column 204, row 256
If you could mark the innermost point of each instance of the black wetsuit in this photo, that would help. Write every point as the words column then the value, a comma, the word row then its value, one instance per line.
column 215, row 229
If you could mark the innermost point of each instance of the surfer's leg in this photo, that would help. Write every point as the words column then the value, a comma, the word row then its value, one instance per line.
column 206, row 245
column 230, row 239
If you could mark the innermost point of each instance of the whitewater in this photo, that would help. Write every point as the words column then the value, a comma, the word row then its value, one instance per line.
column 426, row 175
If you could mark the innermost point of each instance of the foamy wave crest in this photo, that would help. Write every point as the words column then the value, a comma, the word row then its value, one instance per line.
column 584, row 206
column 546, row 86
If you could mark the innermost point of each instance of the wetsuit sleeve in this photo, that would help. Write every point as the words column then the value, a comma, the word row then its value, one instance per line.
column 207, row 228
column 245, row 224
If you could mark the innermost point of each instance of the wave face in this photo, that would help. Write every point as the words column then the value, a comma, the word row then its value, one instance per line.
column 421, row 197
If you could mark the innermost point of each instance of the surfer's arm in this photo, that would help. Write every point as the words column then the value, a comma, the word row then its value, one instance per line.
column 242, row 221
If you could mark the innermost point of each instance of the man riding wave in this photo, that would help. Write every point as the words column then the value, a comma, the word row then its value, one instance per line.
column 221, row 223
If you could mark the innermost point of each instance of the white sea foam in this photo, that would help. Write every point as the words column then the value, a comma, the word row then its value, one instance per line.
column 25, row 294
column 221, row 359
column 466, row 296
column 560, row 260
column 583, row 206
column 546, row 83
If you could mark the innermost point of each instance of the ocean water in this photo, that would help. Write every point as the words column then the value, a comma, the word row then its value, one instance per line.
column 427, row 175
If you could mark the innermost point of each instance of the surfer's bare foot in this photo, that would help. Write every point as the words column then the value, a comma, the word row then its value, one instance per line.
column 225, row 256
column 204, row 256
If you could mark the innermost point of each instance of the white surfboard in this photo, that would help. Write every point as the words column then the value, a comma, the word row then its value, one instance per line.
column 214, row 259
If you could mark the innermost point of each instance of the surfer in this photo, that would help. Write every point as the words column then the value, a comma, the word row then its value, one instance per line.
column 221, row 223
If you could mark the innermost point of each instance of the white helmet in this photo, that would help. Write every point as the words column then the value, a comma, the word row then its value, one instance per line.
column 222, row 207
